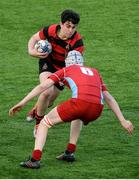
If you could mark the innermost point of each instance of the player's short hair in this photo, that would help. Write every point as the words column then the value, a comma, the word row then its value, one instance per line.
column 70, row 15
column 74, row 57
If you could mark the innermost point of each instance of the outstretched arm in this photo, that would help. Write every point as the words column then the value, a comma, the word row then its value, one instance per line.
column 36, row 91
column 112, row 103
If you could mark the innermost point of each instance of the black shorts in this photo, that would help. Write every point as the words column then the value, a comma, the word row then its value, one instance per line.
column 46, row 65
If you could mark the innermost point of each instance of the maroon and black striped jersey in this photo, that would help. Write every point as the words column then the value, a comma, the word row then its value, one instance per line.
column 60, row 47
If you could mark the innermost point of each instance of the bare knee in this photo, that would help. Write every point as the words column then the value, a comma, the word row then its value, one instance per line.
column 45, row 94
column 50, row 94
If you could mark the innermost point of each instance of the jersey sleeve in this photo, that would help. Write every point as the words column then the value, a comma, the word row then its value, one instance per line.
column 78, row 43
column 79, row 46
column 43, row 33
column 58, row 76
column 104, row 87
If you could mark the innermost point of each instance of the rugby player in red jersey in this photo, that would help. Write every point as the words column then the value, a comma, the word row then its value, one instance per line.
column 63, row 38
column 86, row 104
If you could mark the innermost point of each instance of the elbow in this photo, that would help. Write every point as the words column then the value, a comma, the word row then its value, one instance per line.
column 29, row 51
column 30, row 47
column 108, row 97
column 31, row 44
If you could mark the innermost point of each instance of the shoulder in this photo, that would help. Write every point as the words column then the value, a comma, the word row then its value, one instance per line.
column 76, row 36
column 53, row 27
column 50, row 30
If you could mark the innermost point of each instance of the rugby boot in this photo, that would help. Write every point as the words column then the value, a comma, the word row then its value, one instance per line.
column 30, row 163
column 66, row 156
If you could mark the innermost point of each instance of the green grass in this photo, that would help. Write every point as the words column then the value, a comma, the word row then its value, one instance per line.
column 110, row 32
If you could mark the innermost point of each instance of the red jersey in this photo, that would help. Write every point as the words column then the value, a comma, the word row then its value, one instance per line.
column 60, row 48
column 85, row 82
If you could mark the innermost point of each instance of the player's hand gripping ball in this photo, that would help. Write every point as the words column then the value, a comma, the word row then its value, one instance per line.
column 43, row 46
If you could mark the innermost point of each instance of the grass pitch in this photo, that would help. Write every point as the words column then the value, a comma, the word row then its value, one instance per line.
column 110, row 32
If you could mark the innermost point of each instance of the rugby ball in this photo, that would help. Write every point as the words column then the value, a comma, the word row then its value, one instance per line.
column 43, row 46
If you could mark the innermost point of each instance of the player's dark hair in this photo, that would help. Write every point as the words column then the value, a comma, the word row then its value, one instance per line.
column 70, row 15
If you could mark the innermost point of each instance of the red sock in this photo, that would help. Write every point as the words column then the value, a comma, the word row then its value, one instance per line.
column 38, row 118
column 71, row 147
column 36, row 154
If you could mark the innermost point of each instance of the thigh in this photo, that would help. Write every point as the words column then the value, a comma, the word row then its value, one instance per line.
column 46, row 65
column 52, row 92
column 93, row 112
column 79, row 109
column 54, row 117
column 46, row 69
column 44, row 75
column 68, row 111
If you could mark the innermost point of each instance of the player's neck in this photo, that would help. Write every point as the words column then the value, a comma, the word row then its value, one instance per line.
column 61, row 35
